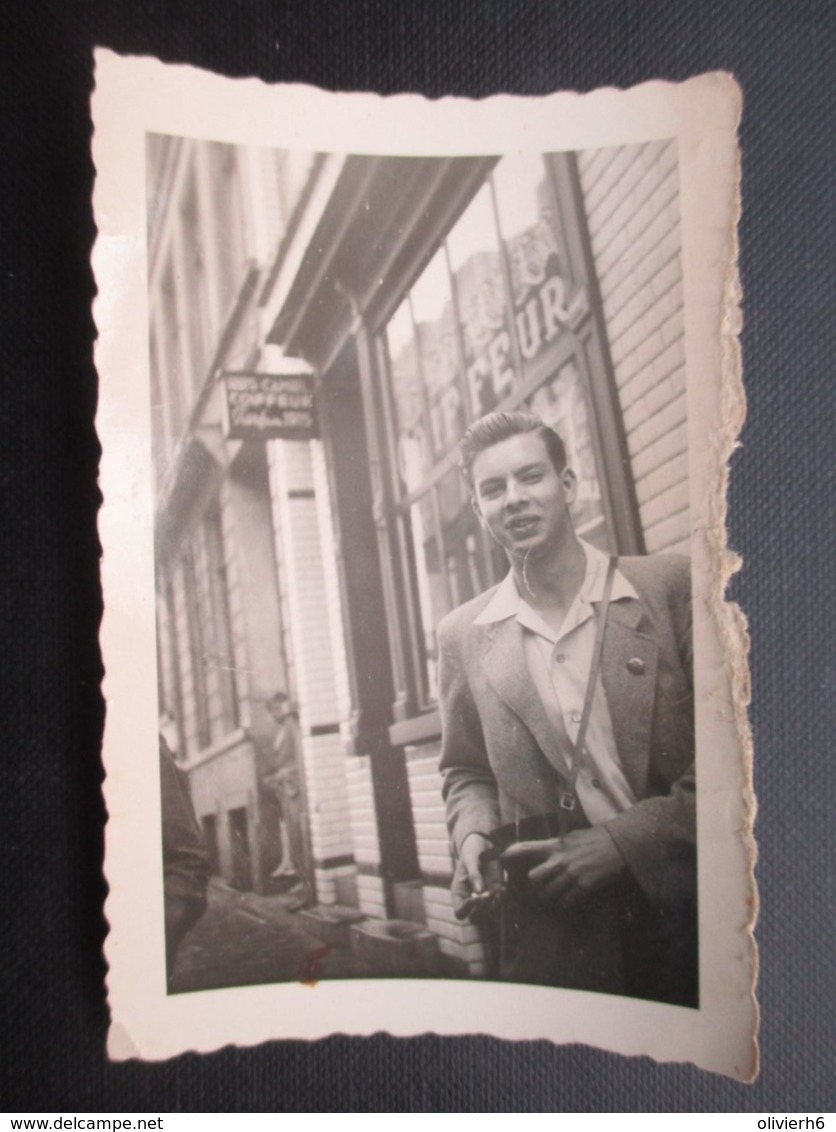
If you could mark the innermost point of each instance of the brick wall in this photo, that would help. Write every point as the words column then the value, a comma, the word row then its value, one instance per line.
column 370, row 896
column 313, row 625
column 631, row 195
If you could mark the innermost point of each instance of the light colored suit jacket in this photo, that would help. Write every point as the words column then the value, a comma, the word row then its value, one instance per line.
column 499, row 757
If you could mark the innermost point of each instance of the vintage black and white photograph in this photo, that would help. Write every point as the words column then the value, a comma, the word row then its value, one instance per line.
column 427, row 464
column 460, row 397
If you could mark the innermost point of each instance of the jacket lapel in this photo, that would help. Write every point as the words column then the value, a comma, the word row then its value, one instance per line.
column 628, row 673
column 504, row 664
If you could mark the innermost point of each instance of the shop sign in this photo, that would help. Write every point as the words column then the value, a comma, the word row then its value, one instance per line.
column 270, row 406
column 545, row 313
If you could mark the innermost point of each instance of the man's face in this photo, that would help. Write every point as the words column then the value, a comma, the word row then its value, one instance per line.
column 519, row 496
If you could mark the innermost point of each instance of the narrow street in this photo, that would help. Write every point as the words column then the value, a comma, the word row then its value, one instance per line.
column 245, row 939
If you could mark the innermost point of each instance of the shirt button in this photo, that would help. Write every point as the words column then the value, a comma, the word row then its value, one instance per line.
column 576, row 717
column 596, row 783
column 560, row 657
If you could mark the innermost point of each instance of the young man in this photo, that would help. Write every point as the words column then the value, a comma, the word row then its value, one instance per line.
column 596, row 887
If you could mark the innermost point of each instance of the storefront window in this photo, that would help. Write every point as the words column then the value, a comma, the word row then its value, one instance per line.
column 545, row 300
column 448, row 559
column 432, row 596
column 492, row 321
column 430, row 405
column 476, row 264
column 414, row 451
column 432, row 313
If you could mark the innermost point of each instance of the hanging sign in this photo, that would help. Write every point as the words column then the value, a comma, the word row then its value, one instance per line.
column 270, row 406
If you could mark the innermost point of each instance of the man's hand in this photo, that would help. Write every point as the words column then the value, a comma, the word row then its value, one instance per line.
column 570, row 867
column 477, row 880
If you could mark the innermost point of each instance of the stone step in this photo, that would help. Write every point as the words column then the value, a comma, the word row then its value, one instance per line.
column 331, row 923
column 408, row 898
column 397, row 948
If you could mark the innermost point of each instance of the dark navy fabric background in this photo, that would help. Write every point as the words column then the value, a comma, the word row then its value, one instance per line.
column 53, row 1013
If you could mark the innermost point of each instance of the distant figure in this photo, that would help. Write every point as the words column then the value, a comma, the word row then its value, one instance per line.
column 287, row 784
column 185, row 861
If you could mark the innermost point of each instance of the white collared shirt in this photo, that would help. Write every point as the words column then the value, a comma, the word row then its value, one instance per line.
column 559, row 663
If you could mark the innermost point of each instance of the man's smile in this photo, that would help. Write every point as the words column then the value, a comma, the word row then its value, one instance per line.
column 522, row 524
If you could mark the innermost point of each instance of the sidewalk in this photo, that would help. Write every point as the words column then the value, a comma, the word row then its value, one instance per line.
column 245, row 939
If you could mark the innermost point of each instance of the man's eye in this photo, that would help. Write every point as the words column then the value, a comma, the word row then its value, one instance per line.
column 532, row 477
column 491, row 491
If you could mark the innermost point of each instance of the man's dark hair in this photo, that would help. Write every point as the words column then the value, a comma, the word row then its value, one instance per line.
column 496, row 427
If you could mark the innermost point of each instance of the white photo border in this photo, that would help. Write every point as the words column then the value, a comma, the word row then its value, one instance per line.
column 136, row 96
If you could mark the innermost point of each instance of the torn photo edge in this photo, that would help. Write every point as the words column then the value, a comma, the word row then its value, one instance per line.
column 135, row 97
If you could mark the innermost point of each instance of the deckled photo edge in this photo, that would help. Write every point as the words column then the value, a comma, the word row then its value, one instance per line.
column 733, row 622
column 308, row 1011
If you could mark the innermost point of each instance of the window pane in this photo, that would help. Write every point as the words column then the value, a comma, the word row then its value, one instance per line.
column 466, row 575
column 432, row 310
column 432, row 595
column 413, row 444
column 449, row 569
column 561, row 403
column 475, row 260
column 543, row 295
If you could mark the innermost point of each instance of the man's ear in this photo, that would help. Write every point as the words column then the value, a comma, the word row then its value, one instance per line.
column 474, row 503
column 570, row 484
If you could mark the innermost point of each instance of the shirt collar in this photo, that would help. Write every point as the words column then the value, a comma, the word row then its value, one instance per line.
column 507, row 602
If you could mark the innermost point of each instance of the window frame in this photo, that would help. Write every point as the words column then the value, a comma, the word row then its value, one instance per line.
column 416, row 715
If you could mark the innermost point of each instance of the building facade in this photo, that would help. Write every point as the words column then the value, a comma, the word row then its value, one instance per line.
column 419, row 293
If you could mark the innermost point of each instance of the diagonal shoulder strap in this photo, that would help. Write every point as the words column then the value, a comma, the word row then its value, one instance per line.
column 568, row 797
